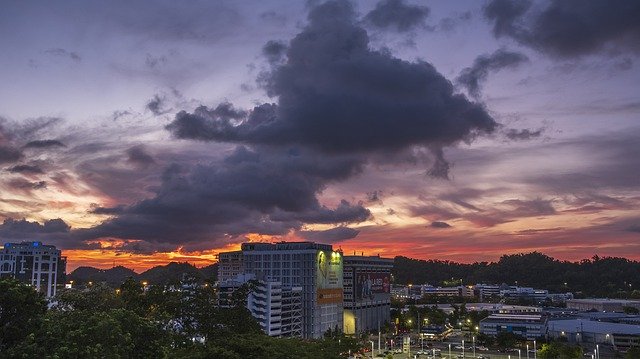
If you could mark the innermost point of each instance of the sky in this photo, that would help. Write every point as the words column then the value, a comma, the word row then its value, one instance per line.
column 138, row 133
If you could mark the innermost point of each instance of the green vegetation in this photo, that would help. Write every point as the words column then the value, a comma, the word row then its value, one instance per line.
column 616, row 277
column 557, row 350
column 134, row 322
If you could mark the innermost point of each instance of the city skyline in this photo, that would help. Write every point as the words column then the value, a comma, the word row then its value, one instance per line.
column 139, row 134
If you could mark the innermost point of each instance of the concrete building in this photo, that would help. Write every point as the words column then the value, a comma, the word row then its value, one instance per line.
column 230, row 265
column 590, row 333
column 314, row 267
column 38, row 265
column 367, row 293
column 529, row 326
column 277, row 309
column 459, row 291
column 602, row 304
column 486, row 291
column 399, row 291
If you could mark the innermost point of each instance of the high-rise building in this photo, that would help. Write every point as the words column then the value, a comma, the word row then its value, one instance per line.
column 367, row 293
column 313, row 267
column 229, row 265
column 35, row 264
column 276, row 308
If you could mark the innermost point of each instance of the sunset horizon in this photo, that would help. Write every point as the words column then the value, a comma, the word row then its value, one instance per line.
column 140, row 135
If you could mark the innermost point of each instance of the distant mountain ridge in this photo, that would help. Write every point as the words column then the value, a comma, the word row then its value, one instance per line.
column 595, row 277
column 165, row 274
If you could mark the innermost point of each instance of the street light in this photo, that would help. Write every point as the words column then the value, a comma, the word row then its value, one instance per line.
column 474, row 346
column 535, row 350
column 462, row 348
column 598, row 351
column 449, row 350
column 519, row 354
column 371, row 341
column 527, row 351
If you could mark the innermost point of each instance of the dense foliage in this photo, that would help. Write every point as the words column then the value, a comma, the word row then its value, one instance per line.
column 136, row 322
column 616, row 277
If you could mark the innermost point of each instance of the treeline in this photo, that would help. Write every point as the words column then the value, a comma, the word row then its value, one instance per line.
column 160, row 275
column 595, row 277
column 133, row 322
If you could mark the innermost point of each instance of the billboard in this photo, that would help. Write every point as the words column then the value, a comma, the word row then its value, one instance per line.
column 329, row 277
column 371, row 285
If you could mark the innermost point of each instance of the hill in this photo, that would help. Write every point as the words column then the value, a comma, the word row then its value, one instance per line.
column 166, row 274
column 598, row 277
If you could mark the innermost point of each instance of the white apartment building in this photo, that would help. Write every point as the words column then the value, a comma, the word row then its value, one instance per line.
column 33, row 263
column 313, row 267
column 367, row 293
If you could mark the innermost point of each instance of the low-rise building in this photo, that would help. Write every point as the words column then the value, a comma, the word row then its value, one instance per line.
column 529, row 326
column 592, row 332
column 602, row 304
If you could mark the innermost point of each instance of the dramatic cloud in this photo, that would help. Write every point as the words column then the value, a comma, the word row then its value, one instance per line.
column 44, row 144
column 338, row 96
column 139, row 156
column 156, row 104
column 438, row 224
column 249, row 192
column 330, row 235
column 473, row 77
column 25, row 169
column 9, row 154
column 569, row 28
column 18, row 230
column 397, row 15
column 274, row 51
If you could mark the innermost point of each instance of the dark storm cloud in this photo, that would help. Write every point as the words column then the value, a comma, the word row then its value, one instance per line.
column 397, row 15
column 337, row 95
column 29, row 169
column 64, row 53
column 274, row 51
column 339, row 105
column 156, row 104
column 25, row 186
column 330, row 235
column 250, row 191
column 12, row 229
column 634, row 228
column 438, row 224
column 109, row 211
column 569, row 28
column 44, row 144
column 9, row 154
column 139, row 156
column 473, row 77
column 524, row 134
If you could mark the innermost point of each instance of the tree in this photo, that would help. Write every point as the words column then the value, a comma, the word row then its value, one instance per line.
column 506, row 340
column 21, row 310
column 117, row 333
column 633, row 353
column 557, row 350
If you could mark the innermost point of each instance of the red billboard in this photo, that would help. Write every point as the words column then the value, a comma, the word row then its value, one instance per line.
column 371, row 285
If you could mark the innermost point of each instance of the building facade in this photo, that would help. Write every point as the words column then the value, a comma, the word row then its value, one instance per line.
column 367, row 293
column 602, row 304
column 40, row 266
column 313, row 267
column 529, row 326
